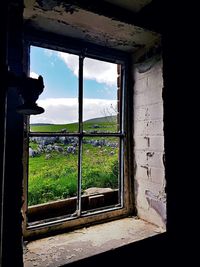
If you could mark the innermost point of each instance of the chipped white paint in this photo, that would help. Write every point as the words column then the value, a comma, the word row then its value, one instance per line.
column 88, row 26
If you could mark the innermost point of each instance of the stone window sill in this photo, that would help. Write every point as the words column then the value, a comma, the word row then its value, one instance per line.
column 86, row 242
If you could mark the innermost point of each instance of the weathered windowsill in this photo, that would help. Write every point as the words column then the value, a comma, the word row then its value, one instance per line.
column 86, row 242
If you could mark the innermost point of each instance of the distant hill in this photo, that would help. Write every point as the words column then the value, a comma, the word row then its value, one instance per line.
column 102, row 119
column 41, row 124
column 106, row 124
column 94, row 120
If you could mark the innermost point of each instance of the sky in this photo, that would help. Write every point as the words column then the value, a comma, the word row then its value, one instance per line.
column 60, row 96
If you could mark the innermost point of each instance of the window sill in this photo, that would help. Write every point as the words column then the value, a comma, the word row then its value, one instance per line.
column 86, row 242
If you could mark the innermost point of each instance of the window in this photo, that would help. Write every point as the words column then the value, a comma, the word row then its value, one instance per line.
column 75, row 152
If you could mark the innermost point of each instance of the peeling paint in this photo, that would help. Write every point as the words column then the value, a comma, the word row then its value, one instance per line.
column 148, row 170
column 55, row 5
column 158, row 204
column 149, row 154
column 53, row 15
column 148, row 140
column 163, row 159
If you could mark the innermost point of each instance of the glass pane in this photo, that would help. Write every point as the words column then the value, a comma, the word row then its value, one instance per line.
column 60, row 96
column 100, row 172
column 53, row 165
column 101, row 95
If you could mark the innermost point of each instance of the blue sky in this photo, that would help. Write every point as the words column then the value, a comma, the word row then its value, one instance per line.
column 60, row 95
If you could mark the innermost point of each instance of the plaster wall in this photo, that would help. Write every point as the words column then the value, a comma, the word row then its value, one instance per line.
column 149, row 144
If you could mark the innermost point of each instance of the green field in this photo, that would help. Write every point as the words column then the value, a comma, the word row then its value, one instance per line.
column 105, row 124
column 53, row 174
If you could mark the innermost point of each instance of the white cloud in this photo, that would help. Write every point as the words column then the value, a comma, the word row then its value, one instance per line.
column 72, row 61
column 34, row 75
column 65, row 110
column 100, row 71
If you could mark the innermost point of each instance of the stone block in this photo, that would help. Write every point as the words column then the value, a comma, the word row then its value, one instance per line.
column 150, row 143
column 149, row 158
column 148, row 128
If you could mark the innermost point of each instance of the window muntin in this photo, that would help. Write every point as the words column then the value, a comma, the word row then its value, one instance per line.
column 96, row 202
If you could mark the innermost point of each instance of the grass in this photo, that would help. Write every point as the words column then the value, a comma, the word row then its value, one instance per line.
column 55, row 177
column 108, row 125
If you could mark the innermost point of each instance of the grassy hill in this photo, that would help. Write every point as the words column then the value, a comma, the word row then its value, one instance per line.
column 41, row 124
column 107, row 124
column 102, row 119
column 72, row 127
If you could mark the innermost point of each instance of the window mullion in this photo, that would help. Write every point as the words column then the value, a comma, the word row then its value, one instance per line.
column 80, row 97
column 80, row 94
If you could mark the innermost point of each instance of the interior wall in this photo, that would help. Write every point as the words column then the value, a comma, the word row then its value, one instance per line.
column 149, row 184
column 12, row 186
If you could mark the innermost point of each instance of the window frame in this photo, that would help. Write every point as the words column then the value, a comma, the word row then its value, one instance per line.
column 99, row 53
